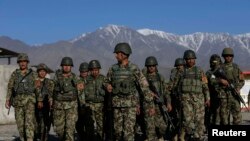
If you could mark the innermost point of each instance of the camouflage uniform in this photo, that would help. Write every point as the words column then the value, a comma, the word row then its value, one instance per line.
column 23, row 93
column 156, row 124
column 43, row 116
column 94, row 97
column 229, row 104
column 65, row 102
column 194, row 91
column 124, row 79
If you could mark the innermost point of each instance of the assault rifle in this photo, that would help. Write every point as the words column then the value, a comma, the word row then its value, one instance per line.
column 161, row 103
column 219, row 72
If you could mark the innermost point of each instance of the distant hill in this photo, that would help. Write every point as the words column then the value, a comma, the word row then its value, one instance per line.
column 166, row 47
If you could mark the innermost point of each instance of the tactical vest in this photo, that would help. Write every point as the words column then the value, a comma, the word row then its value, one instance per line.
column 45, row 86
column 123, row 80
column 65, row 88
column 191, row 80
column 94, row 91
column 231, row 72
column 24, row 84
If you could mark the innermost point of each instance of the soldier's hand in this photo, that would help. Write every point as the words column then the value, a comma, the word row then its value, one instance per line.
column 109, row 88
column 138, row 111
column 169, row 107
column 224, row 82
column 207, row 103
column 37, row 83
column 40, row 105
column 151, row 112
column 80, row 86
column 50, row 104
column 7, row 104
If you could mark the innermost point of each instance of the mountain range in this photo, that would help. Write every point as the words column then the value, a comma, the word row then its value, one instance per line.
column 166, row 47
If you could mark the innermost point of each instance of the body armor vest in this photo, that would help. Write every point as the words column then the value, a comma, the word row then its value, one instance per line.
column 94, row 91
column 65, row 88
column 44, row 89
column 24, row 84
column 192, row 80
column 231, row 72
column 123, row 80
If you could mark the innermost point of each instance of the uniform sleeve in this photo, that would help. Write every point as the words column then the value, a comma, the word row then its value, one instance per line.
column 167, row 96
column 205, row 89
column 10, row 86
column 38, row 92
column 241, row 81
column 51, row 87
column 107, row 79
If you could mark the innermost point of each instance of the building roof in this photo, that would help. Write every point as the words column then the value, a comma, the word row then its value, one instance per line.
column 246, row 72
column 5, row 53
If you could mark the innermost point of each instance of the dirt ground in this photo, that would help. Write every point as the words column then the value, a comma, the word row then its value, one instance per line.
column 10, row 133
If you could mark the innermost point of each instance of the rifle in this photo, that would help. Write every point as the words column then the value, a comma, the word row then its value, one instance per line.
column 219, row 72
column 161, row 103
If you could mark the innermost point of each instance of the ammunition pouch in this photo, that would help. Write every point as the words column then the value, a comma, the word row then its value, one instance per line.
column 123, row 88
column 191, row 86
column 69, row 96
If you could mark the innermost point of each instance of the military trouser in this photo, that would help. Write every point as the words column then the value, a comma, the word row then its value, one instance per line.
column 193, row 114
column 124, row 123
column 25, row 120
column 64, row 123
column 155, row 125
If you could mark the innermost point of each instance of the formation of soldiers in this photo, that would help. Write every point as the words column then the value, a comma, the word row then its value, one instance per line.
column 128, row 103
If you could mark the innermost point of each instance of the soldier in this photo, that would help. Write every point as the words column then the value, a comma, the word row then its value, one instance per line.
column 23, row 93
column 177, row 133
column 121, row 82
column 212, row 116
column 230, row 105
column 80, row 127
column 94, row 97
column 157, row 124
column 65, row 103
column 194, row 92
column 43, row 118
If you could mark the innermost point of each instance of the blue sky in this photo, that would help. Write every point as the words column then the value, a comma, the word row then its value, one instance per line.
column 47, row 21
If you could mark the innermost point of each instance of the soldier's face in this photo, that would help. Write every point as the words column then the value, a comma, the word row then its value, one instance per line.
column 95, row 72
column 180, row 67
column 66, row 69
column 84, row 74
column 42, row 73
column 190, row 62
column 151, row 69
column 120, row 56
column 228, row 58
column 23, row 65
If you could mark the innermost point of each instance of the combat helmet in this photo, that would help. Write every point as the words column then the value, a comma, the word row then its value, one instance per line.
column 84, row 67
column 67, row 61
column 123, row 47
column 189, row 54
column 227, row 51
column 151, row 61
column 42, row 66
column 94, row 64
column 22, row 57
column 215, row 59
column 179, row 62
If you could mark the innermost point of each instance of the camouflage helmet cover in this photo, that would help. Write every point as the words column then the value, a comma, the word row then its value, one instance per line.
column 42, row 66
column 179, row 62
column 94, row 64
column 151, row 61
column 67, row 61
column 189, row 54
column 123, row 47
column 22, row 57
column 227, row 51
column 84, row 67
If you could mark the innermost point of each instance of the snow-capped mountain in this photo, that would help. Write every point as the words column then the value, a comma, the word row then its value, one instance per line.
column 165, row 46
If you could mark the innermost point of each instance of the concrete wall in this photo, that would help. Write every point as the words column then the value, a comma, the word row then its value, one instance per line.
column 5, row 72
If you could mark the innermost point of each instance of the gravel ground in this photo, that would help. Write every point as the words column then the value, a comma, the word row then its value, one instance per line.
column 10, row 133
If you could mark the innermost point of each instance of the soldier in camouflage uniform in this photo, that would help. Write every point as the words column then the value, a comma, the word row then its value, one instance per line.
column 80, row 127
column 43, row 119
column 22, row 94
column 156, row 124
column 67, row 91
column 94, row 97
column 176, row 114
column 229, row 104
column 121, row 82
column 194, row 92
column 213, row 114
